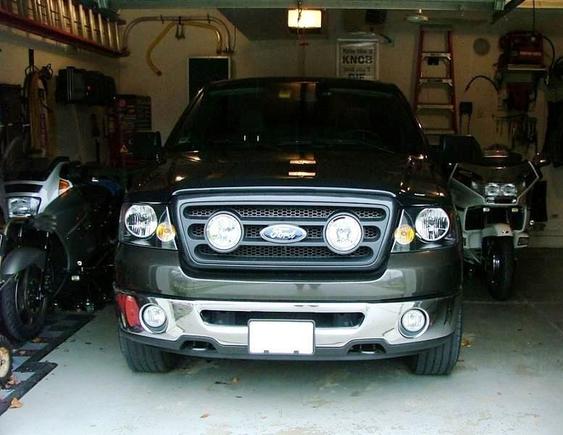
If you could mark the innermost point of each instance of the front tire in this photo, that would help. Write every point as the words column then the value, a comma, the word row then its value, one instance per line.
column 499, row 266
column 146, row 359
column 6, row 361
column 442, row 359
column 22, row 305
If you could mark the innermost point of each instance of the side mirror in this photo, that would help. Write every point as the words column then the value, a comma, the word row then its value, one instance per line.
column 540, row 160
column 146, row 145
column 75, row 172
column 457, row 149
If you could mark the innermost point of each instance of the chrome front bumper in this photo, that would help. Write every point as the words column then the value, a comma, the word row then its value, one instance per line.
column 188, row 333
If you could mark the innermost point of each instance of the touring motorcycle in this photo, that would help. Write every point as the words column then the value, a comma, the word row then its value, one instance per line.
column 58, row 242
column 490, row 191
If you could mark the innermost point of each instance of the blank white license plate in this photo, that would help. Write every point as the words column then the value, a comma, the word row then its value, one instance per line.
column 272, row 337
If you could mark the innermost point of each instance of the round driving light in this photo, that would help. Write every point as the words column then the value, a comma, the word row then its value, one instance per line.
column 413, row 322
column 404, row 235
column 223, row 232
column 343, row 233
column 165, row 232
column 141, row 220
column 154, row 318
column 492, row 189
column 509, row 189
column 432, row 224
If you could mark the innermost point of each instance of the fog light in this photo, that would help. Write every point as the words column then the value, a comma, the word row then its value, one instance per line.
column 404, row 234
column 414, row 322
column 153, row 318
column 165, row 232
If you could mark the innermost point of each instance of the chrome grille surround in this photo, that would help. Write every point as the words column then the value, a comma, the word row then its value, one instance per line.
column 311, row 212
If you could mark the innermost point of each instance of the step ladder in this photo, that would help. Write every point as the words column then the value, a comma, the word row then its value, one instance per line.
column 444, row 107
column 65, row 20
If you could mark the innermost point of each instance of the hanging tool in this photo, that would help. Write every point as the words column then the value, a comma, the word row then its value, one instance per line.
column 180, row 31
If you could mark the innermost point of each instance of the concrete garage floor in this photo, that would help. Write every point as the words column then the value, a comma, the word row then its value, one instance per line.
column 509, row 379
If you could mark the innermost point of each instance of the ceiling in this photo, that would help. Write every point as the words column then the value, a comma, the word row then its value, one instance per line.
column 441, row 5
column 493, row 8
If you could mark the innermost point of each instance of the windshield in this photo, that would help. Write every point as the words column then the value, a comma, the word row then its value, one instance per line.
column 518, row 174
column 29, row 168
column 290, row 114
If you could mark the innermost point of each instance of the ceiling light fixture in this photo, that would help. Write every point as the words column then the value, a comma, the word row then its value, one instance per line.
column 304, row 18
column 418, row 18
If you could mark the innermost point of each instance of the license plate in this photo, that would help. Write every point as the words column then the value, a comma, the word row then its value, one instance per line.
column 271, row 337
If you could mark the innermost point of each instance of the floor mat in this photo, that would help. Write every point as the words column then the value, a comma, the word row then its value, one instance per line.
column 28, row 367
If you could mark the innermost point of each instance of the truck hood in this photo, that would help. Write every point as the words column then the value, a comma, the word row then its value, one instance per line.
column 395, row 174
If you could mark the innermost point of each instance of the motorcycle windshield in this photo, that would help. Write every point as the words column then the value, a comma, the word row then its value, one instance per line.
column 35, row 169
column 522, row 174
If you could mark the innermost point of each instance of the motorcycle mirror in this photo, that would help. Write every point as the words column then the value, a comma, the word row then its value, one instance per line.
column 458, row 149
column 540, row 160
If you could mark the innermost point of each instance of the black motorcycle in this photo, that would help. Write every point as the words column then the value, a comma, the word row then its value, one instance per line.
column 63, row 255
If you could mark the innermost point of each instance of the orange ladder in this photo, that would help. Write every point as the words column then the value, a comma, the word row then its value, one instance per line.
column 446, row 107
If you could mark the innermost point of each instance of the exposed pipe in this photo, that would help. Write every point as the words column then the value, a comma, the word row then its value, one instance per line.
column 176, row 19
column 218, row 34
column 164, row 32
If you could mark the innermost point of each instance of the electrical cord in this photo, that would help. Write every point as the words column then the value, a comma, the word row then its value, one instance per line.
column 491, row 81
column 552, row 51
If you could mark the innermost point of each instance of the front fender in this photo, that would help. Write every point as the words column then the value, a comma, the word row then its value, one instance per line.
column 497, row 230
column 21, row 258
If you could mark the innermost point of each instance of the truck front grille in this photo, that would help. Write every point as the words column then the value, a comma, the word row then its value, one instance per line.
column 256, row 212
column 278, row 251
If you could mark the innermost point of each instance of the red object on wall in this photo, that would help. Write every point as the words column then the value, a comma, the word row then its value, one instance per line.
column 519, row 96
column 37, row 28
column 129, row 114
column 521, row 48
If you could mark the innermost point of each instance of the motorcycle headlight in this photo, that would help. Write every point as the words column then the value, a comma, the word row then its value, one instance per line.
column 492, row 189
column 343, row 234
column 223, row 232
column 509, row 189
column 432, row 224
column 23, row 206
column 141, row 220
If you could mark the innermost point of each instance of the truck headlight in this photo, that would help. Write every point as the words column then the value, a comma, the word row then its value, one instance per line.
column 141, row 221
column 432, row 224
column 23, row 206
column 223, row 232
column 343, row 233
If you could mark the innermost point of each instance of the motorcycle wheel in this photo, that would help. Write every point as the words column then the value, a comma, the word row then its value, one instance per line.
column 22, row 306
column 5, row 361
column 499, row 266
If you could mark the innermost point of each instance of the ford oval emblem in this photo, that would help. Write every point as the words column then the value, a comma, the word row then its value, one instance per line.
column 283, row 233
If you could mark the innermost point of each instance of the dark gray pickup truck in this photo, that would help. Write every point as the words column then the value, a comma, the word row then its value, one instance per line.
column 291, row 218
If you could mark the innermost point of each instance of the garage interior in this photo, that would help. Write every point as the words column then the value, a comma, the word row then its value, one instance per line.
column 149, row 58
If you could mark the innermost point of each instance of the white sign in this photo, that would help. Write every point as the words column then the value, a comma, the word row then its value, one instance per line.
column 358, row 59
